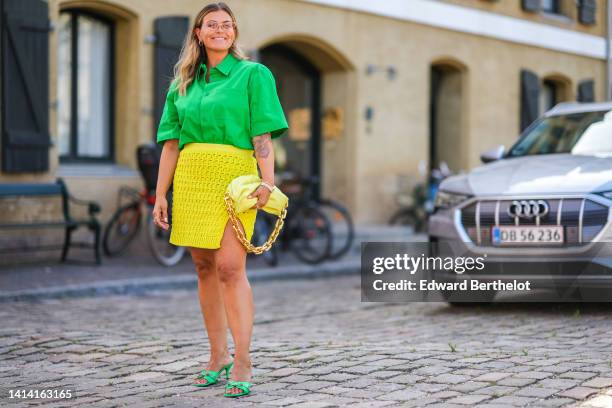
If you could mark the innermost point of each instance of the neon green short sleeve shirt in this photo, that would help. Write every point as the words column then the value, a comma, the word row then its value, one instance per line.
column 239, row 102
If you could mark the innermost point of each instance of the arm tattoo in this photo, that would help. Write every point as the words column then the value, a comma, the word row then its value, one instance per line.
column 262, row 145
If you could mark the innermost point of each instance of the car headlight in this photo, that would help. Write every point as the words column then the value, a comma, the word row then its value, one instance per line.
column 444, row 199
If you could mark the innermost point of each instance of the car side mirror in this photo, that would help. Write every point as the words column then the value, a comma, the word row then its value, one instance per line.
column 492, row 155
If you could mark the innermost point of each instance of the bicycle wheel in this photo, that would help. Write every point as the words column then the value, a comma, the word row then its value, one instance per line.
column 343, row 230
column 403, row 216
column 263, row 227
column 163, row 251
column 121, row 229
column 409, row 217
column 310, row 232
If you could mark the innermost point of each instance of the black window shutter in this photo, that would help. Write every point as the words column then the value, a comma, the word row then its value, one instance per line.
column 586, row 91
column 169, row 35
column 530, row 98
column 25, row 86
column 530, row 5
column 587, row 11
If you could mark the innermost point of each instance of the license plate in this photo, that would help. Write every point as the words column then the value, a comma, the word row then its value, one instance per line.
column 527, row 235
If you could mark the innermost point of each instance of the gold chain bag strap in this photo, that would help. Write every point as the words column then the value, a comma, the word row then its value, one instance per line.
column 237, row 201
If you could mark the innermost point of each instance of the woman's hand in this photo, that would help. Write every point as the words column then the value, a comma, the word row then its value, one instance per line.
column 167, row 164
column 160, row 213
column 262, row 194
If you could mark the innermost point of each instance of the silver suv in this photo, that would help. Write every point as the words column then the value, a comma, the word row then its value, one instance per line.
column 542, row 208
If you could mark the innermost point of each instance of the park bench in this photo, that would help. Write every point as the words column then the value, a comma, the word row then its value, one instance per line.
column 64, row 220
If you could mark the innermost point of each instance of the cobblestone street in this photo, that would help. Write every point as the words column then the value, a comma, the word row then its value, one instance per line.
column 314, row 345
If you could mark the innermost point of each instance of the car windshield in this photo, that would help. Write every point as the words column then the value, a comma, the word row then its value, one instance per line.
column 587, row 133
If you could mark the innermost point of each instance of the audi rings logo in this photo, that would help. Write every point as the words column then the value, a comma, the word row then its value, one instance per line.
column 528, row 208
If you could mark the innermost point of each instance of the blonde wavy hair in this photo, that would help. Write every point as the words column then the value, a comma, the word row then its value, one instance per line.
column 193, row 54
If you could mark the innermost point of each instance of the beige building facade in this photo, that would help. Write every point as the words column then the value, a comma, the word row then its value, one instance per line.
column 400, row 85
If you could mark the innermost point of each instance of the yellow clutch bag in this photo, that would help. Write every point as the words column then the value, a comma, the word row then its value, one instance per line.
column 237, row 201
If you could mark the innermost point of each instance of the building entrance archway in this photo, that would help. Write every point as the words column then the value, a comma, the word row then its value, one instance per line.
column 312, row 84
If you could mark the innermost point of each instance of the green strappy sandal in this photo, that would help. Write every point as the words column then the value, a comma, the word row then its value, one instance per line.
column 243, row 385
column 211, row 376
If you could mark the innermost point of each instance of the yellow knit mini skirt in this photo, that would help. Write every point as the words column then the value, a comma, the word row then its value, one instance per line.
column 202, row 174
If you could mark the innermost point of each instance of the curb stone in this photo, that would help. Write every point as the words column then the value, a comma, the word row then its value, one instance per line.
column 140, row 286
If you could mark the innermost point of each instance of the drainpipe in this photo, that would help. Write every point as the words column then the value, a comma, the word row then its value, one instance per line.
column 609, row 72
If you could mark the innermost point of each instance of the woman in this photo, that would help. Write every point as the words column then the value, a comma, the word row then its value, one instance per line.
column 220, row 111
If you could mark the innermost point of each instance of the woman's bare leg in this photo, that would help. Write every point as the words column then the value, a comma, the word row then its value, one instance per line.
column 211, row 305
column 239, row 308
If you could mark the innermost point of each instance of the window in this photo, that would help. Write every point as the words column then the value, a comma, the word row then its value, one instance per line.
column 551, row 6
column 549, row 95
column 85, row 87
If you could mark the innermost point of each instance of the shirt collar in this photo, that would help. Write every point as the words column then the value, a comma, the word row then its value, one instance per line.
column 227, row 64
column 224, row 66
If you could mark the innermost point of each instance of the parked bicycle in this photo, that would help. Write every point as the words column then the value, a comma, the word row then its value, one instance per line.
column 126, row 222
column 343, row 229
column 416, row 207
column 307, row 232
column 315, row 230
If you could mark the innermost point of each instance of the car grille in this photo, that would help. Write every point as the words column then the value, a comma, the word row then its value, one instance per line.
column 582, row 218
